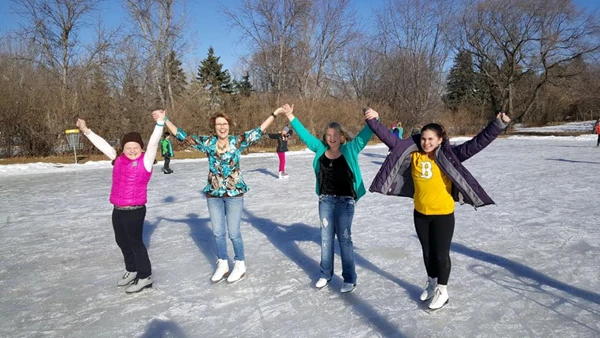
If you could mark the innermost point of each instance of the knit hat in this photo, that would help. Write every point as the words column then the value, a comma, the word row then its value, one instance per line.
column 132, row 137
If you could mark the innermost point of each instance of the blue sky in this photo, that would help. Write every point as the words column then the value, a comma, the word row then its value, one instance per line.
column 209, row 29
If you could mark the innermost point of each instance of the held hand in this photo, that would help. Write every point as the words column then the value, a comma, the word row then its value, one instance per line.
column 288, row 110
column 189, row 141
column 505, row 118
column 159, row 115
column 371, row 114
column 81, row 125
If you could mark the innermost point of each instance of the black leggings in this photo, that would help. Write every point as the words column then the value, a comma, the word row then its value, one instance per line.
column 128, row 226
column 435, row 234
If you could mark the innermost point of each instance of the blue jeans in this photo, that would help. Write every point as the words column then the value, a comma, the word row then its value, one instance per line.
column 336, row 213
column 226, row 216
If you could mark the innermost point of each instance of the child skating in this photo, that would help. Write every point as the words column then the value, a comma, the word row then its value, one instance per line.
column 167, row 152
column 282, row 146
column 132, row 170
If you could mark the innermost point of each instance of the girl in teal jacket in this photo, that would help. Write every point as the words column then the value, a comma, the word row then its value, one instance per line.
column 339, row 185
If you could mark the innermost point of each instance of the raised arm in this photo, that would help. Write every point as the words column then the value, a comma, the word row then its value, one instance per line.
column 382, row 132
column 190, row 140
column 96, row 140
column 152, row 148
column 362, row 139
column 312, row 142
column 270, row 119
column 466, row 150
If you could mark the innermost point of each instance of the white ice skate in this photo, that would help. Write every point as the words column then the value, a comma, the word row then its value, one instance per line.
column 127, row 278
column 238, row 273
column 440, row 298
column 139, row 284
column 221, row 272
column 429, row 289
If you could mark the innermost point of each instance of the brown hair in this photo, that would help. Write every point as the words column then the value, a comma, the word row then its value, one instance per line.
column 213, row 120
column 437, row 128
column 338, row 127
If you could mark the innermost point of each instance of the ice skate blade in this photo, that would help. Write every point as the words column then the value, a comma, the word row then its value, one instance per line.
column 239, row 279
column 441, row 307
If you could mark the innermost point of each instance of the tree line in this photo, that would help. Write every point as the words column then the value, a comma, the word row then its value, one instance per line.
column 456, row 62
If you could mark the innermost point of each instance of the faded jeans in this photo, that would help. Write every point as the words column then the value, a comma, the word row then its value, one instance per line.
column 226, row 216
column 336, row 213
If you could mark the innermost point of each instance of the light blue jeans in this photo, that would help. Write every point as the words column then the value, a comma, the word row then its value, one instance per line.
column 336, row 213
column 226, row 216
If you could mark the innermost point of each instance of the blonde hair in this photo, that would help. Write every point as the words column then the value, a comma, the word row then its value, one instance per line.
column 338, row 127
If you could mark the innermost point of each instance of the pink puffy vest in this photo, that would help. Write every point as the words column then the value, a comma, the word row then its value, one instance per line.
column 129, row 182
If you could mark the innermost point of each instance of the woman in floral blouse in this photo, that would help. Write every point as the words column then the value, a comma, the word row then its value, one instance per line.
column 225, row 187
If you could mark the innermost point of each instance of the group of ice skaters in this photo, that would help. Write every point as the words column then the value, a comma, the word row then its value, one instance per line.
column 424, row 167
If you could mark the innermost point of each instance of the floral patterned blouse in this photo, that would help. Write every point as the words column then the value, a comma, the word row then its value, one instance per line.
column 224, row 174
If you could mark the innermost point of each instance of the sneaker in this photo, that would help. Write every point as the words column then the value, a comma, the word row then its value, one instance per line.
column 127, row 278
column 280, row 174
column 221, row 272
column 321, row 283
column 238, row 273
column 284, row 174
column 348, row 287
column 440, row 298
column 139, row 284
column 429, row 289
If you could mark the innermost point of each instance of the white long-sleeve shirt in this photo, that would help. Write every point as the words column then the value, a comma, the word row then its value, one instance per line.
column 110, row 152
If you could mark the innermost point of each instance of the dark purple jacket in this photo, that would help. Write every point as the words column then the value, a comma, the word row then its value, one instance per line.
column 395, row 178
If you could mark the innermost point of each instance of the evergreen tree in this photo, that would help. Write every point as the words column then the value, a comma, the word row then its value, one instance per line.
column 243, row 87
column 178, row 80
column 462, row 82
column 213, row 78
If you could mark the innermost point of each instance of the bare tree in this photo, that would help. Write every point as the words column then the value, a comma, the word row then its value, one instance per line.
column 356, row 72
column 53, row 26
column 161, row 32
column 295, row 43
column 513, row 39
column 411, row 41
column 269, row 27
column 325, row 33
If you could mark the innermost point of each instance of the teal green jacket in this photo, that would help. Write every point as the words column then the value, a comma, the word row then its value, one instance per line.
column 350, row 151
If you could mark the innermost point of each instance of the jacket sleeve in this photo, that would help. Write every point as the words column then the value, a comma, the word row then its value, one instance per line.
column 361, row 140
column 466, row 150
column 313, row 143
column 385, row 135
column 273, row 136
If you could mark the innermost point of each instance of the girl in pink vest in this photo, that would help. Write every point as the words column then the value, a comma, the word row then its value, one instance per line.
column 132, row 169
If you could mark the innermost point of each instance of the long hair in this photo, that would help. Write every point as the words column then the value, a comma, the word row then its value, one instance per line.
column 338, row 127
column 438, row 129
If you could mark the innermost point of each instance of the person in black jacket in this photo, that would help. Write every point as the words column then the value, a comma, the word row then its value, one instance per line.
column 282, row 146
